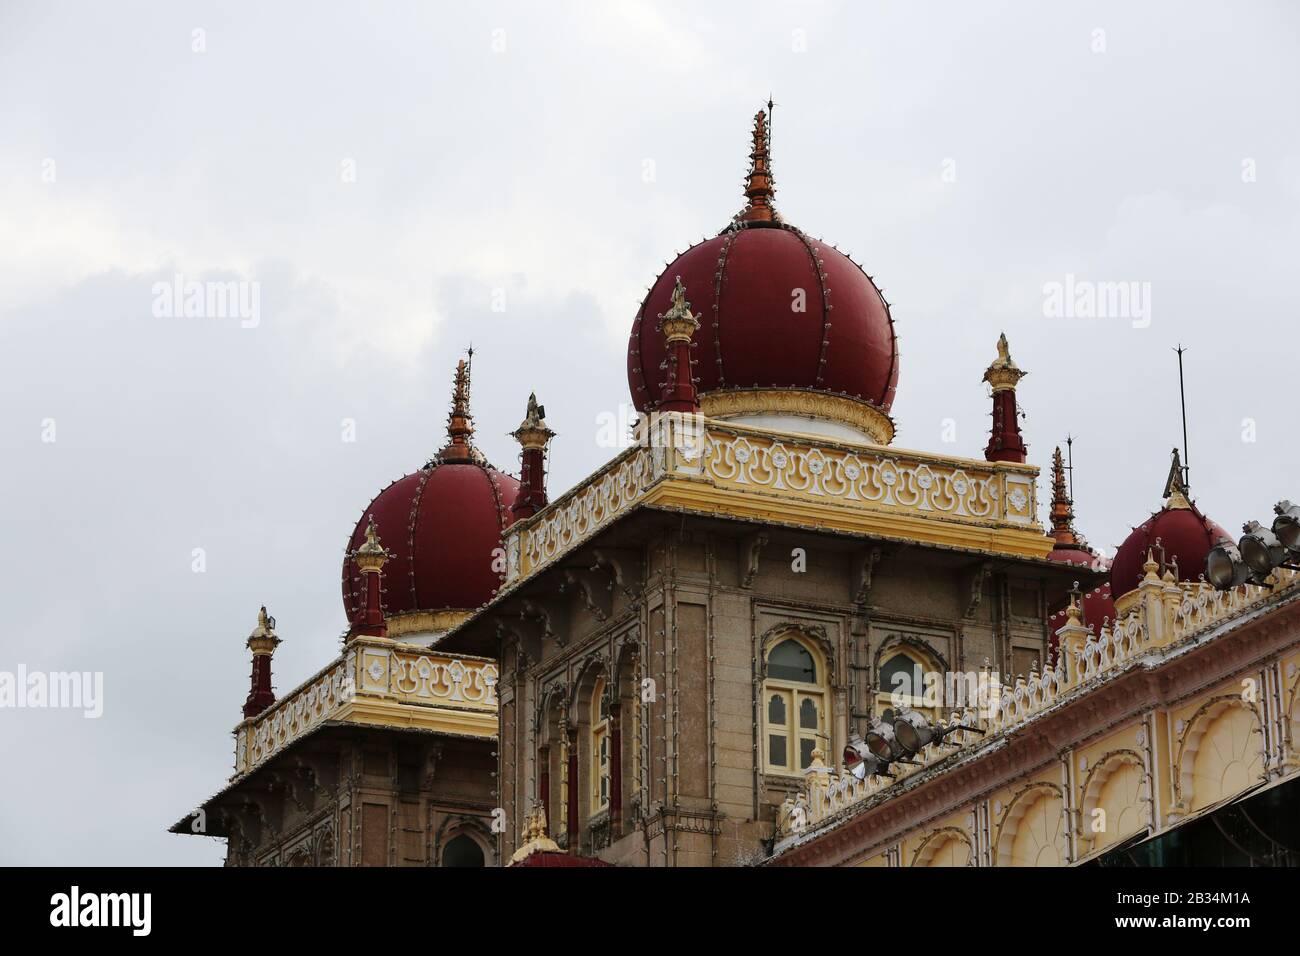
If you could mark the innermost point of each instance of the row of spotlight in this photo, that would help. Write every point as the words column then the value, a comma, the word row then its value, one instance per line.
column 1260, row 550
column 898, row 737
column 893, row 738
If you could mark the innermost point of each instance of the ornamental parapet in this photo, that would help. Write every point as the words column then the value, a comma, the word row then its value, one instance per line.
column 691, row 463
column 1169, row 617
column 377, row 681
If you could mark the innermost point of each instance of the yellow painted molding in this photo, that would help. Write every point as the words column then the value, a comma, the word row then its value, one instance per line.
column 969, row 534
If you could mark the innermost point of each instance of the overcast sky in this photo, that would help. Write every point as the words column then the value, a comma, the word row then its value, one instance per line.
column 385, row 174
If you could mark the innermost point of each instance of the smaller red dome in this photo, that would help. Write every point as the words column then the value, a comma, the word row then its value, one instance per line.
column 1176, row 535
column 1179, row 532
column 442, row 525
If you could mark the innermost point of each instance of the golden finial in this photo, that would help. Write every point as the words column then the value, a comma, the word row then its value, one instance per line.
column 371, row 555
column 263, row 639
column 532, row 431
column 1003, row 373
column 1176, row 484
column 679, row 323
column 533, row 834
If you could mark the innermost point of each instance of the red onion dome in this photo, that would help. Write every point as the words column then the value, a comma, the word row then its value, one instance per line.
column 442, row 525
column 1179, row 537
column 790, row 326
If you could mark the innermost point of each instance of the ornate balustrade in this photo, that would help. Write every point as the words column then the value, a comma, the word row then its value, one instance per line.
column 377, row 681
column 686, row 461
column 1167, row 614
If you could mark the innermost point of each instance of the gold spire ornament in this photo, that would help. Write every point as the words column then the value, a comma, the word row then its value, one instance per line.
column 1003, row 373
column 1175, row 493
column 532, row 835
column 679, row 324
column 263, row 639
column 532, row 431
column 371, row 556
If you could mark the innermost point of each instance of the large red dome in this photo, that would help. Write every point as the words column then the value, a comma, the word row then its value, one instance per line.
column 780, row 313
column 442, row 525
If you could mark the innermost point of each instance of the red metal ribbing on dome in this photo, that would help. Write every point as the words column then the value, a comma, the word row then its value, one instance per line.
column 717, row 300
column 817, row 264
column 411, row 522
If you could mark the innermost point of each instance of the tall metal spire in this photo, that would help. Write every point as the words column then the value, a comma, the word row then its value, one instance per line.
column 1062, row 513
column 460, row 424
column 760, row 188
column 1182, row 399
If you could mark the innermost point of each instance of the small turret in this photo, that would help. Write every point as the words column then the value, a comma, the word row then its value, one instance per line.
column 262, row 642
column 679, row 325
column 533, row 436
column 370, row 559
column 1005, row 441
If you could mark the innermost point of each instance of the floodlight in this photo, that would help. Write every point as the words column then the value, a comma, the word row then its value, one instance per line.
column 1260, row 548
column 1287, row 526
column 1223, row 566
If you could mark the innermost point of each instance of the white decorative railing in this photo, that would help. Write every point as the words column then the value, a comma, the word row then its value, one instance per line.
column 580, row 514
column 370, row 670
column 1167, row 614
column 722, row 455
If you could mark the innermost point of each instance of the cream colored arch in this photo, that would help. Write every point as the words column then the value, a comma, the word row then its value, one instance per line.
column 947, row 846
column 1221, row 752
column 1033, row 831
column 1119, row 785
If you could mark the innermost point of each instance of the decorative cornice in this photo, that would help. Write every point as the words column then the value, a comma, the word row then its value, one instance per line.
column 414, row 622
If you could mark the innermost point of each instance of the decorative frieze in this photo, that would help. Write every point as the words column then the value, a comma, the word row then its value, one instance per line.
column 377, row 681
column 690, row 462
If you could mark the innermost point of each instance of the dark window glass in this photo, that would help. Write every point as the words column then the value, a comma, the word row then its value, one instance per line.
column 462, row 851
column 790, row 660
column 900, row 674
column 776, row 710
column 776, row 750
column 805, row 753
column 808, row 714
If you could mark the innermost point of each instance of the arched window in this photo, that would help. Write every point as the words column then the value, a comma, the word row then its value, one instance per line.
column 599, row 749
column 794, row 707
column 901, row 682
column 462, row 850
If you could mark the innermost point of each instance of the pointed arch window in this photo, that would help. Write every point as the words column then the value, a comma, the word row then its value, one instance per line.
column 794, row 706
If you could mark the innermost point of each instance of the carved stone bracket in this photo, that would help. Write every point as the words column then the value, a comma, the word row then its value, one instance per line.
column 976, row 578
column 751, row 546
column 550, row 618
column 864, row 569
column 624, row 567
column 595, row 589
